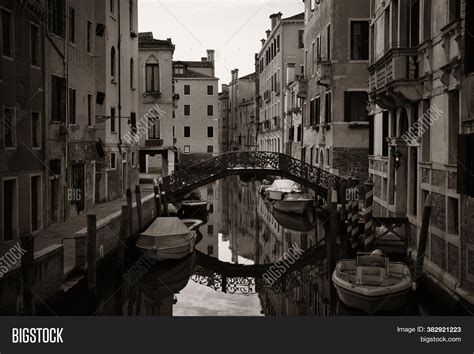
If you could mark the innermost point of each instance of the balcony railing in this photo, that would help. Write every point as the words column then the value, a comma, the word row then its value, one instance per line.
column 154, row 142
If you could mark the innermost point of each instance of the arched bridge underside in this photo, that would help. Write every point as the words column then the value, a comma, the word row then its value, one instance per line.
column 261, row 163
column 249, row 279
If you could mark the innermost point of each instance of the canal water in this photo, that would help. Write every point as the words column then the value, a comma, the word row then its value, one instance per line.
column 224, row 276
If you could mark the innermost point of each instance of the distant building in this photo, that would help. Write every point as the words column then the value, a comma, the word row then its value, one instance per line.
column 242, row 124
column 334, row 84
column 280, row 48
column 156, row 122
column 196, row 113
column 223, row 123
column 421, row 86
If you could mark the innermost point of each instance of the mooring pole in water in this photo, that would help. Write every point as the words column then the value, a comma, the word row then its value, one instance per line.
column 138, row 196
column 92, row 261
column 425, row 224
column 332, row 249
column 164, row 200
column 130, row 212
column 120, row 261
column 157, row 192
column 27, row 264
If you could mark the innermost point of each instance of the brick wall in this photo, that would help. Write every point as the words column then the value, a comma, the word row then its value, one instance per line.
column 438, row 214
column 348, row 160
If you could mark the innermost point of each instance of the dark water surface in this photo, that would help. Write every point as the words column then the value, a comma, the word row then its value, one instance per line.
column 229, row 273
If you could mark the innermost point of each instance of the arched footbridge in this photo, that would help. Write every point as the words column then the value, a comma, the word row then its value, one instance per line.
column 261, row 163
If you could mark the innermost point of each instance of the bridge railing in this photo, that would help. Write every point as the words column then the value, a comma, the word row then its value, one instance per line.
column 313, row 176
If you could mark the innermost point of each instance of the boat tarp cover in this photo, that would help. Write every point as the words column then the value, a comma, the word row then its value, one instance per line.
column 284, row 185
column 166, row 227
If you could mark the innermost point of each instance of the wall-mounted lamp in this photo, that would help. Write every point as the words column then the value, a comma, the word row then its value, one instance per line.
column 397, row 155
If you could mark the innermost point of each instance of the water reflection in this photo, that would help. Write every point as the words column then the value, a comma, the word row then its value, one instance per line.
column 242, row 243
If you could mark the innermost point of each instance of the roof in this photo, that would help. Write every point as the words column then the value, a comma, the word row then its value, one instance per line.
column 146, row 40
column 195, row 64
column 299, row 16
column 249, row 76
column 189, row 73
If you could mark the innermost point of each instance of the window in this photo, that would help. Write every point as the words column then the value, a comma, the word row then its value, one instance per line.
column 371, row 135
column 187, row 90
column 455, row 9
column 328, row 104
column 112, row 62
column 35, row 200
column 152, row 78
column 278, row 44
column 113, row 161
column 359, row 40
column 385, row 122
column 131, row 14
column 10, row 209
column 453, row 126
column 300, row 39
column 328, row 42
column 34, row 45
column 58, row 99
column 355, row 104
column 132, row 76
column 111, row 5
column 56, row 17
column 210, row 250
column 112, row 119
column 133, row 158
column 9, row 127
column 315, row 111
column 210, row 132
column 210, row 110
column 133, row 121
column 7, row 33
column 72, row 106
column 453, row 215
column 90, row 121
column 72, row 25
column 154, row 128
column 210, row 90
column 298, row 133
column 187, row 149
column 89, row 37
column 426, row 135
column 210, row 230
column 35, row 130
column 187, row 131
column 469, row 40
column 210, row 149
column 187, row 110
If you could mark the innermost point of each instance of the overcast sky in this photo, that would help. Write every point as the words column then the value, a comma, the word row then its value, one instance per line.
column 233, row 28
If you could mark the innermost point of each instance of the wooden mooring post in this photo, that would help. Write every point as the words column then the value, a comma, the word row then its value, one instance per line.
column 164, row 200
column 138, row 197
column 27, row 264
column 157, row 193
column 368, row 216
column 425, row 224
column 92, row 261
column 130, row 212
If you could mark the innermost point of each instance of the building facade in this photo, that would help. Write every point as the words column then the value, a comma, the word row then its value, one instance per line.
column 242, row 123
column 155, row 126
column 281, row 47
column 334, row 85
column 22, row 115
column 196, row 113
column 420, row 87
column 223, row 123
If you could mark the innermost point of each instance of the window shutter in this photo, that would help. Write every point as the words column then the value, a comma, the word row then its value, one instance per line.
column 347, row 107
column 62, row 99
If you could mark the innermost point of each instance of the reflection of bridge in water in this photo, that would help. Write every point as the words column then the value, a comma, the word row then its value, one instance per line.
column 249, row 279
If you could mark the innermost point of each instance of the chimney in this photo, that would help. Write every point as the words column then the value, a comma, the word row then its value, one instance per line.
column 275, row 18
column 211, row 55
column 268, row 33
column 290, row 73
column 263, row 42
column 236, row 73
column 203, row 58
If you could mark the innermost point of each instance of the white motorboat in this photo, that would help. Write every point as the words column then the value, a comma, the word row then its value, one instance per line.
column 372, row 283
column 286, row 196
column 281, row 187
column 169, row 238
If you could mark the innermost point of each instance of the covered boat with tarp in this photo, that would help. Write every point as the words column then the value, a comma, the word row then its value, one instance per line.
column 169, row 238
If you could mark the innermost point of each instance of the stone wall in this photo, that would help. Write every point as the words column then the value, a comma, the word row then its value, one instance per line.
column 351, row 161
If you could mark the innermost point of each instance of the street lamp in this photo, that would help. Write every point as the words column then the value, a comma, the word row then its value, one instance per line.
column 397, row 155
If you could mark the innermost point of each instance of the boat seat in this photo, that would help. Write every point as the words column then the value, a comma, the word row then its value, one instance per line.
column 370, row 275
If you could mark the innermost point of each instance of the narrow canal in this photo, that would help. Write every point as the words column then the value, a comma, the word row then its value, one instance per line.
column 240, row 235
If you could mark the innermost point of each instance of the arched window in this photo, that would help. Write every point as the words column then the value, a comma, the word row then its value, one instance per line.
column 112, row 62
column 132, row 68
column 321, row 159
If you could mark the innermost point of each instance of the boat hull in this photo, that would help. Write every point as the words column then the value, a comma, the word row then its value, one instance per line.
column 373, row 304
column 293, row 206
column 172, row 252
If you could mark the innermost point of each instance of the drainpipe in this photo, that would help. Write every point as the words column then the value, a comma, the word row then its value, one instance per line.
column 119, row 67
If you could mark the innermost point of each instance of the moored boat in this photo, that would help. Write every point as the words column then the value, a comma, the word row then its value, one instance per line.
column 280, row 188
column 286, row 196
column 196, row 209
column 372, row 283
column 169, row 238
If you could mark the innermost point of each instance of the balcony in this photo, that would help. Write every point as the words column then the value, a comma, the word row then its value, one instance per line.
column 393, row 78
column 154, row 142
column 267, row 96
column 324, row 72
column 302, row 89
column 154, row 94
